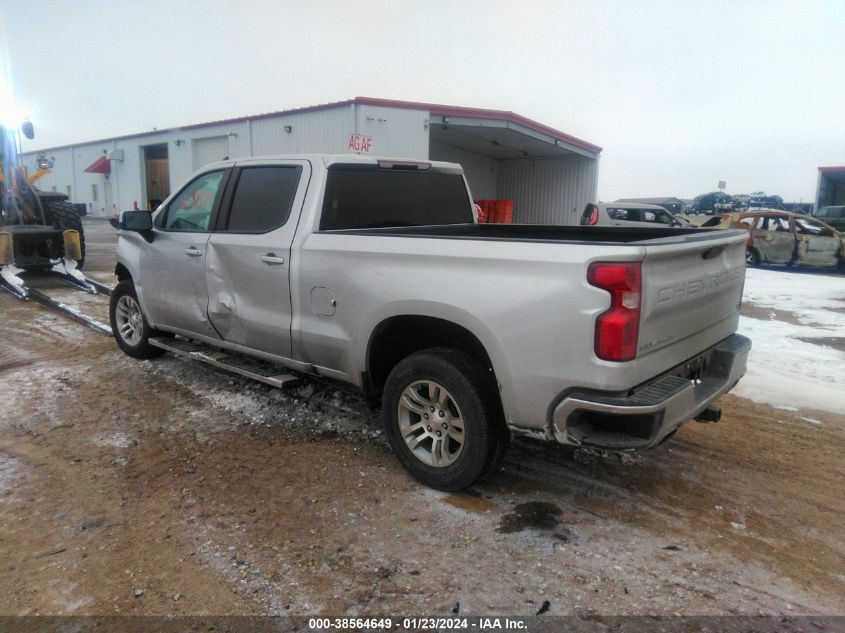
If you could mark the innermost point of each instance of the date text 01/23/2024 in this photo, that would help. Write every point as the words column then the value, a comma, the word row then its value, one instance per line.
column 480, row 624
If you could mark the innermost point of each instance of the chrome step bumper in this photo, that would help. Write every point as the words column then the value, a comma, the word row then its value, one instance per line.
column 646, row 415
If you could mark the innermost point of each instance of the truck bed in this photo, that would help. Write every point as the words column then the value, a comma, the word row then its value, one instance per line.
column 545, row 233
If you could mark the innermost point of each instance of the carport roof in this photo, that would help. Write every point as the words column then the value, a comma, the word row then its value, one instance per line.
column 508, row 119
column 505, row 116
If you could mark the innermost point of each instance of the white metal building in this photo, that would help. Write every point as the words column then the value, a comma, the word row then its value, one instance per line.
column 549, row 175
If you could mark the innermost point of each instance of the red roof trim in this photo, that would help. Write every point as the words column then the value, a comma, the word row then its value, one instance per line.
column 100, row 166
column 832, row 170
column 433, row 108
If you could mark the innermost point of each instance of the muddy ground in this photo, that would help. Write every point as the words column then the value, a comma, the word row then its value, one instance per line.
column 165, row 487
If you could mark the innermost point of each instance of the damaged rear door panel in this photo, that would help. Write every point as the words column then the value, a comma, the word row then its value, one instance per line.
column 817, row 244
column 248, row 262
column 773, row 239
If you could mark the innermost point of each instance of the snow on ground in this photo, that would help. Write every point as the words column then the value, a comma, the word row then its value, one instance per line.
column 816, row 299
column 783, row 370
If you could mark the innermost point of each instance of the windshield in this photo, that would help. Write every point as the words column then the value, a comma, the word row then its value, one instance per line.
column 831, row 213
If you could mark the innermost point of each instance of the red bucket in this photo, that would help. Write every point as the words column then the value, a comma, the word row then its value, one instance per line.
column 504, row 211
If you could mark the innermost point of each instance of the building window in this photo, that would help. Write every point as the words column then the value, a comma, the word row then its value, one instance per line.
column 94, row 196
column 54, row 188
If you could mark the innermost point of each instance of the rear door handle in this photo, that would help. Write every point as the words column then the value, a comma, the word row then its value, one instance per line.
column 192, row 251
column 271, row 260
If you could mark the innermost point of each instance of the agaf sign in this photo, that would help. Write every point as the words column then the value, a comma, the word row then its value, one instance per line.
column 359, row 143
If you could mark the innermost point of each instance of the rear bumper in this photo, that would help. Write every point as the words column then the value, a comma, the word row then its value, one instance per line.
column 648, row 414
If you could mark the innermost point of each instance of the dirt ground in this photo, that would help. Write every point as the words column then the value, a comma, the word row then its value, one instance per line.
column 165, row 487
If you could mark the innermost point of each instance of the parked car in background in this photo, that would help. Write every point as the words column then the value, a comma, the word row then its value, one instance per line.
column 834, row 216
column 780, row 237
column 628, row 214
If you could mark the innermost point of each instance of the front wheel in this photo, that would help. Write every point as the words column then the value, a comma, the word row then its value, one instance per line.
column 443, row 418
column 131, row 330
column 65, row 217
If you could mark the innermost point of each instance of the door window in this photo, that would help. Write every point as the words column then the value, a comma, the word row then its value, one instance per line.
column 263, row 198
column 623, row 214
column 811, row 227
column 657, row 216
column 191, row 209
column 775, row 224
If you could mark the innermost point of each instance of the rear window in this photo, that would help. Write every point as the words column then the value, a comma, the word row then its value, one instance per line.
column 369, row 197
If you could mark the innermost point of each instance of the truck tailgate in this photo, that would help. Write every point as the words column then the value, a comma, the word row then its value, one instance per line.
column 691, row 293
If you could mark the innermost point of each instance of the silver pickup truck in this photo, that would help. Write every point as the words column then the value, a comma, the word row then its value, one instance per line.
column 375, row 272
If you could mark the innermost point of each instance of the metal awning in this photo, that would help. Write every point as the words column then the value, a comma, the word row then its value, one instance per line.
column 100, row 166
column 499, row 139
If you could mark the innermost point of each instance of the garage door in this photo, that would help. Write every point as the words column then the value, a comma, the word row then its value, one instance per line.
column 209, row 150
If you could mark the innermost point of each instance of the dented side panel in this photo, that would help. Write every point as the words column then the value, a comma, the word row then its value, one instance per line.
column 775, row 243
column 818, row 250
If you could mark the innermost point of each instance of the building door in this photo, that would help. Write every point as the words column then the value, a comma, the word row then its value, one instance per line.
column 108, row 202
column 209, row 150
column 156, row 175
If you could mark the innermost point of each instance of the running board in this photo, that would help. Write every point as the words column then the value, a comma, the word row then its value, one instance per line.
column 257, row 370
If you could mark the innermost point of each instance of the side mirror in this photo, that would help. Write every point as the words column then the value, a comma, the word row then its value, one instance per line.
column 28, row 130
column 138, row 222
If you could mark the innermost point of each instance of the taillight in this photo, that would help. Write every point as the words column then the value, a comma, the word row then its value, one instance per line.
column 617, row 328
column 594, row 215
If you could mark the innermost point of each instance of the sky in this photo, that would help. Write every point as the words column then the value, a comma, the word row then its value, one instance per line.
column 680, row 94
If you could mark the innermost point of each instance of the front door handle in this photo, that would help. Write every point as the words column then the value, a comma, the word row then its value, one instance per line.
column 271, row 260
column 192, row 251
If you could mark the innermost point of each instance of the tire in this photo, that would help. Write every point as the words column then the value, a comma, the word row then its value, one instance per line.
column 64, row 217
column 752, row 257
column 473, row 436
column 131, row 330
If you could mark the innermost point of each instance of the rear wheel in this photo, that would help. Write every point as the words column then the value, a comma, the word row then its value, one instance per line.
column 65, row 217
column 131, row 330
column 752, row 257
column 443, row 418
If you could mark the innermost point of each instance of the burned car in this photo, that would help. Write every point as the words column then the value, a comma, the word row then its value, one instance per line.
column 780, row 237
